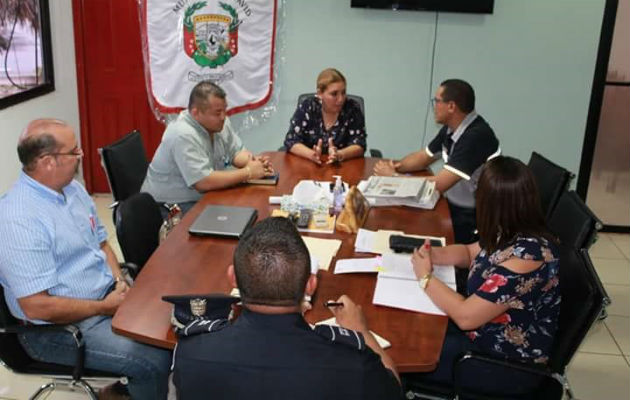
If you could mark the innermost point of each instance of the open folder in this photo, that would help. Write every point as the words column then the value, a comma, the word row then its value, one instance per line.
column 323, row 250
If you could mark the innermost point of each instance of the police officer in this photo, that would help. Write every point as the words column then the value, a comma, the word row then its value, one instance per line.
column 270, row 351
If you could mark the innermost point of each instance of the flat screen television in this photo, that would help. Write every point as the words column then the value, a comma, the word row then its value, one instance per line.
column 461, row 6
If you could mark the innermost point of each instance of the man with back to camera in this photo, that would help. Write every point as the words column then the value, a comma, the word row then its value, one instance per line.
column 57, row 267
column 465, row 143
column 196, row 151
column 270, row 351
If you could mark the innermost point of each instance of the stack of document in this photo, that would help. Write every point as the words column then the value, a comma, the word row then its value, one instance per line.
column 400, row 191
column 397, row 285
column 378, row 241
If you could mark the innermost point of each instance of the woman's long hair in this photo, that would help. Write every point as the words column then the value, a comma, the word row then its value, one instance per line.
column 508, row 204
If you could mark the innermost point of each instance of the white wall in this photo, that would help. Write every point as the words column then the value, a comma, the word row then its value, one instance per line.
column 62, row 103
column 531, row 64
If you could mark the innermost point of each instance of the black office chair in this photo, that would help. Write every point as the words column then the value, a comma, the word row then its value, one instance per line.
column 373, row 152
column 582, row 302
column 13, row 356
column 125, row 164
column 551, row 180
column 573, row 222
column 138, row 222
column 577, row 226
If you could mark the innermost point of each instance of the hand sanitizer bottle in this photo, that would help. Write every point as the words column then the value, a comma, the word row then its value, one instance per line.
column 337, row 195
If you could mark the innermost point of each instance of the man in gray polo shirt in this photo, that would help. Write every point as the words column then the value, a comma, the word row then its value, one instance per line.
column 196, row 151
column 465, row 142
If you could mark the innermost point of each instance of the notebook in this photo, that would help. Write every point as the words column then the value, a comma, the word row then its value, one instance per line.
column 266, row 180
column 226, row 221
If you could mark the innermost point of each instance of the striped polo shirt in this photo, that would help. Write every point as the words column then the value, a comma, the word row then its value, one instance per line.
column 51, row 242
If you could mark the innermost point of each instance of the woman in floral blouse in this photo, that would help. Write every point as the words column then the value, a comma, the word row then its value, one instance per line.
column 513, row 290
column 327, row 123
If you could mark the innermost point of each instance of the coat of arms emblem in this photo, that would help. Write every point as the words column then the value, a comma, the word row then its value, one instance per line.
column 210, row 39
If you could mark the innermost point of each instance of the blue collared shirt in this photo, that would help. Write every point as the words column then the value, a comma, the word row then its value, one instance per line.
column 51, row 242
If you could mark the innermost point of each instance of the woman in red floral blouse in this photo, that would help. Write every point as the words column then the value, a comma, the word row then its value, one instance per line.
column 513, row 290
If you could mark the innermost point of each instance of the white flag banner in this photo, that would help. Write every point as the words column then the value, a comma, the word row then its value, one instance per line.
column 230, row 42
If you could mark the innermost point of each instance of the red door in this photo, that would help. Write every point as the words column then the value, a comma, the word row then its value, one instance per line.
column 110, row 79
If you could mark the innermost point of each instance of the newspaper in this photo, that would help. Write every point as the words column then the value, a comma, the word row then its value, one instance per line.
column 394, row 187
column 382, row 191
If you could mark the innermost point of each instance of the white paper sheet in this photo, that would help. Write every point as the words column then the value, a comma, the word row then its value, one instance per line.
column 351, row 265
column 378, row 241
column 399, row 266
column 405, row 294
column 364, row 241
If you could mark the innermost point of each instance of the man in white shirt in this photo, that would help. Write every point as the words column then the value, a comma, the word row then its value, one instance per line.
column 196, row 151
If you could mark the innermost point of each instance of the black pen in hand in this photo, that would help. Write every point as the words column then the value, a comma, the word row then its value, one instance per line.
column 332, row 304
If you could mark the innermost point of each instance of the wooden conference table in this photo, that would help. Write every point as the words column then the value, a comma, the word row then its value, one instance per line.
column 186, row 264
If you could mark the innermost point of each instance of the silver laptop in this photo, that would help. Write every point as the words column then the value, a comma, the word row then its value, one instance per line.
column 225, row 221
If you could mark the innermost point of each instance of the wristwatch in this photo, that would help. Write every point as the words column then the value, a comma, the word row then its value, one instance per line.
column 424, row 281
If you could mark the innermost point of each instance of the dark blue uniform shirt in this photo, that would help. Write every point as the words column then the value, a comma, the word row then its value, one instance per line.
column 263, row 356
